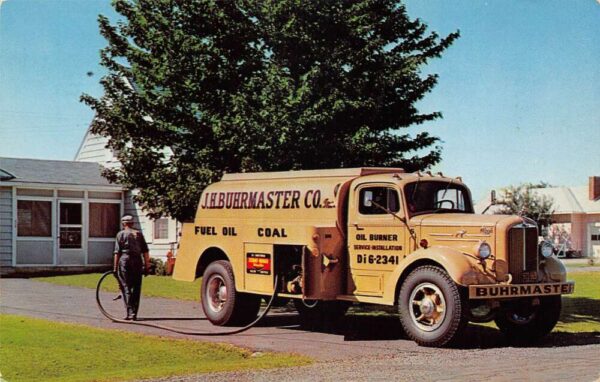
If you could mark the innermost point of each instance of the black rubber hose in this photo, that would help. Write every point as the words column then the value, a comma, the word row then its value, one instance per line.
column 186, row 332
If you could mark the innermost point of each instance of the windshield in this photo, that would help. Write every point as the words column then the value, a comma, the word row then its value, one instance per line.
column 423, row 197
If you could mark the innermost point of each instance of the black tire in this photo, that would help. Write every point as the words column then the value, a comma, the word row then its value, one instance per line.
column 320, row 315
column 431, row 321
column 523, row 323
column 221, row 303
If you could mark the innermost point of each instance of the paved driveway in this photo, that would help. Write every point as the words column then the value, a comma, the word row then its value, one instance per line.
column 362, row 348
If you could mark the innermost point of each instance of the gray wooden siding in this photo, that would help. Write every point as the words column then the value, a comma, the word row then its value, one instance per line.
column 100, row 252
column 93, row 149
column 34, row 252
column 6, row 224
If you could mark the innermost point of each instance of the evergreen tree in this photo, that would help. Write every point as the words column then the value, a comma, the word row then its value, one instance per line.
column 197, row 88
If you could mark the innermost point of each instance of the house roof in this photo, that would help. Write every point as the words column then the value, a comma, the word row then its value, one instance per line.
column 571, row 200
column 52, row 172
column 563, row 199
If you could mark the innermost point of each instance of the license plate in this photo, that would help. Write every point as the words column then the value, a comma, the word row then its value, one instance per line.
column 529, row 277
column 494, row 291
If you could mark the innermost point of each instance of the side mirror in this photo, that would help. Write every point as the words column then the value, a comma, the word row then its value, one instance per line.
column 368, row 199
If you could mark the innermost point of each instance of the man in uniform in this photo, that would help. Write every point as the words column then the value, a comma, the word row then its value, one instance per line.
column 131, row 259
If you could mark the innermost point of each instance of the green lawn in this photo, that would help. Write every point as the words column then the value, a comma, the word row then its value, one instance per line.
column 581, row 310
column 579, row 265
column 152, row 286
column 40, row 350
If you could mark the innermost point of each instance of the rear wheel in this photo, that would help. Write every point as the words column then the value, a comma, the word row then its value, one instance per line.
column 523, row 322
column 432, row 311
column 221, row 303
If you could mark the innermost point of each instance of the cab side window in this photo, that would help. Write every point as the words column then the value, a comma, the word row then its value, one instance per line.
column 371, row 198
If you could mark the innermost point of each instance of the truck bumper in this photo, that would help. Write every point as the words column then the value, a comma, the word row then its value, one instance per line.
column 495, row 291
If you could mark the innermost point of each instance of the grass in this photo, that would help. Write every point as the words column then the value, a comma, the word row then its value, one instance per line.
column 579, row 265
column 152, row 286
column 41, row 350
column 581, row 310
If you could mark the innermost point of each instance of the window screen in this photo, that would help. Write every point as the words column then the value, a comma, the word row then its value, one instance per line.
column 70, row 213
column 104, row 219
column 34, row 218
column 161, row 229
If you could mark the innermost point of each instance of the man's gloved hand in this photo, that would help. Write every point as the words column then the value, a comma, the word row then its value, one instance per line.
column 147, row 270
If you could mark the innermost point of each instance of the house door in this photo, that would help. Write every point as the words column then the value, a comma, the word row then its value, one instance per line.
column 70, row 233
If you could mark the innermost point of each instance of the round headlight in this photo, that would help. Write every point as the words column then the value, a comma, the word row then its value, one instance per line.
column 484, row 251
column 547, row 249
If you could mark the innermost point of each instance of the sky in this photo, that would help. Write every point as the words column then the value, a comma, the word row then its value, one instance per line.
column 519, row 90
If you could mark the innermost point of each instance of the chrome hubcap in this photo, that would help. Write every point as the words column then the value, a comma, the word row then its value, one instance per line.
column 216, row 293
column 428, row 307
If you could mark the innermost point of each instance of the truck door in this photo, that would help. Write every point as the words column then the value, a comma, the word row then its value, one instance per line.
column 376, row 238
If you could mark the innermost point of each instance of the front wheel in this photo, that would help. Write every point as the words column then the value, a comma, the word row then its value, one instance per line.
column 432, row 311
column 523, row 322
column 221, row 303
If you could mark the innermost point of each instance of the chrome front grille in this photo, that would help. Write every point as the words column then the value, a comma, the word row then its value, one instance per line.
column 522, row 253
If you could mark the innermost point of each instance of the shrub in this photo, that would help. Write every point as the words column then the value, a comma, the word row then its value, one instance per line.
column 157, row 267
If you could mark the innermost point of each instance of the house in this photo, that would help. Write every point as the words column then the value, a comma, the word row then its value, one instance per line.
column 161, row 234
column 56, row 216
column 576, row 218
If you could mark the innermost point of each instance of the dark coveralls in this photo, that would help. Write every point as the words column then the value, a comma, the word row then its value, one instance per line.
column 131, row 246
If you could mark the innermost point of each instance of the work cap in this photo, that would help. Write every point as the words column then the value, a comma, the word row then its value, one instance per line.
column 127, row 219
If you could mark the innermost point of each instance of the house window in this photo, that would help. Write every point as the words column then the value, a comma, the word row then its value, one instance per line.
column 34, row 218
column 595, row 237
column 104, row 219
column 161, row 229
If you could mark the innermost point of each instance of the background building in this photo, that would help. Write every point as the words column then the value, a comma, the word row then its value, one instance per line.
column 56, row 216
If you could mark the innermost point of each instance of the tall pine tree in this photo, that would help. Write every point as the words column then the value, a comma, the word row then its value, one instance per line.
column 197, row 88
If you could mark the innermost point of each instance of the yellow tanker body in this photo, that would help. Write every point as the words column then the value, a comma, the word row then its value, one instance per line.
column 369, row 235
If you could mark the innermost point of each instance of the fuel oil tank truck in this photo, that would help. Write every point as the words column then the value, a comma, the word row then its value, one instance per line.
column 375, row 236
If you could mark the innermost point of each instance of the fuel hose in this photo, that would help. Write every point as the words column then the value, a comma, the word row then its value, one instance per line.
column 174, row 330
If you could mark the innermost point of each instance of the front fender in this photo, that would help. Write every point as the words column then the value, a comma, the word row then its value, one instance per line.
column 463, row 268
column 554, row 270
